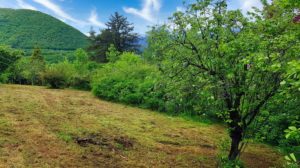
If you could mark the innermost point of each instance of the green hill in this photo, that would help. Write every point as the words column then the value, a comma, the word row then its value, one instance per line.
column 25, row 29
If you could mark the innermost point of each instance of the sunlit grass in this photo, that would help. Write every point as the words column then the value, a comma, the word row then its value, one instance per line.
column 42, row 128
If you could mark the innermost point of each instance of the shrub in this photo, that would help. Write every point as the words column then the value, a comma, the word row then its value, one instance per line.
column 80, row 82
column 55, row 79
column 105, row 89
column 132, row 81
column 128, row 80
column 59, row 75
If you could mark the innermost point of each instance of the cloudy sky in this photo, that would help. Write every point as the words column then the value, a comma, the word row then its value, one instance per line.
column 82, row 14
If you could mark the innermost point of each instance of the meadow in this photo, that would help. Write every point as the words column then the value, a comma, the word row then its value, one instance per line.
column 68, row 128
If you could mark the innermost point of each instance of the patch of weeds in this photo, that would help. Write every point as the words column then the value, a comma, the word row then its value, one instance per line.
column 180, row 158
column 195, row 118
column 65, row 136
column 225, row 163
column 201, row 158
column 6, row 128
column 3, row 123
column 120, row 146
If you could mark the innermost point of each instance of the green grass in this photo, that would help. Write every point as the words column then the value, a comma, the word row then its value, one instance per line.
column 67, row 128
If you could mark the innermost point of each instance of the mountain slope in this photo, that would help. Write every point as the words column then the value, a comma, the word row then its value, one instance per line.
column 66, row 128
column 26, row 29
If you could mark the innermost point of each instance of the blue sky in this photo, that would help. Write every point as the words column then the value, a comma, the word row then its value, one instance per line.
column 82, row 14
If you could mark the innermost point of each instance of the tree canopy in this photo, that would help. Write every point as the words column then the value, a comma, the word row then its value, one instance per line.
column 244, row 59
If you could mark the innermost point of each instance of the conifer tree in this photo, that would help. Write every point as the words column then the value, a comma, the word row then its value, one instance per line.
column 119, row 32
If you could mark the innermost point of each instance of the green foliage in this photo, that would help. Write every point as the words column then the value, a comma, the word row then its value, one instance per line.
column 33, row 70
column 293, row 137
column 112, row 54
column 8, row 57
column 18, row 72
column 288, row 3
column 84, row 70
column 282, row 110
column 240, row 62
column 245, row 70
column 81, row 57
column 119, row 32
column 26, row 70
column 293, row 133
column 64, row 136
column 80, row 82
column 58, row 76
column 37, row 67
column 56, row 56
column 129, row 80
column 25, row 29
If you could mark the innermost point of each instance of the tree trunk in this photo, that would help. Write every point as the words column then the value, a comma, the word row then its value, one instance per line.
column 236, row 138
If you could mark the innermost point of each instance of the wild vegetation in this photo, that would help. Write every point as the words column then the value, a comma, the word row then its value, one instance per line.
column 209, row 64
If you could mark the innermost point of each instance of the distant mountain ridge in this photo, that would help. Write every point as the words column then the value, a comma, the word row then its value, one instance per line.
column 25, row 29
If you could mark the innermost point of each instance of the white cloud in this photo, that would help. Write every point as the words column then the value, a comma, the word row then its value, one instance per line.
column 94, row 19
column 25, row 5
column 58, row 11
column 149, row 8
column 247, row 5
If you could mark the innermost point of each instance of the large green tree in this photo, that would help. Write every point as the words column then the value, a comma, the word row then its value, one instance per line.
column 243, row 60
column 119, row 32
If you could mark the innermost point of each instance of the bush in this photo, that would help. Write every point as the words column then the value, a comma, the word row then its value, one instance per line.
column 104, row 88
column 55, row 79
column 58, row 76
column 132, row 81
column 129, row 80
column 80, row 82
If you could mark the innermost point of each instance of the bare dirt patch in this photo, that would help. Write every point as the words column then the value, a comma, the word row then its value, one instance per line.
column 112, row 143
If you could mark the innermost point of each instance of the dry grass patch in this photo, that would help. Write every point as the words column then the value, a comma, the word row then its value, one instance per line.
column 66, row 128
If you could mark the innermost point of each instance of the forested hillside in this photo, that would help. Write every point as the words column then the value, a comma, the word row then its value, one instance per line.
column 25, row 29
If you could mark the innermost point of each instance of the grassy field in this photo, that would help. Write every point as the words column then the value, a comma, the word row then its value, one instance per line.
column 66, row 128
